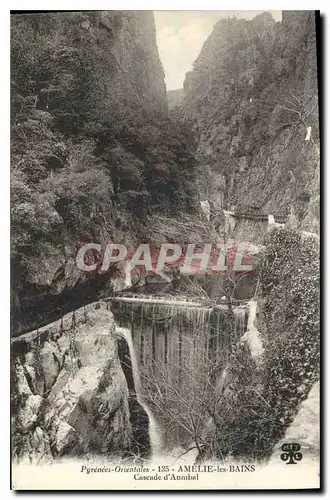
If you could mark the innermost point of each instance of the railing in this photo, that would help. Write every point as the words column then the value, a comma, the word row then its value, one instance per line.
column 279, row 218
column 79, row 316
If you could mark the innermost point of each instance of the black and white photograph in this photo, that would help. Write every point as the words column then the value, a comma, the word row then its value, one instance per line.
column 165, row 249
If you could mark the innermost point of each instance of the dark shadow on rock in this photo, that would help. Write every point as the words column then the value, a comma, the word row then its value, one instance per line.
column 138, row 417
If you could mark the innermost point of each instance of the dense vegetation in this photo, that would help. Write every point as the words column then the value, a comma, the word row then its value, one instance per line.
column 96, row 157
column 262, row 398
column 93, row 150
column 252, row 96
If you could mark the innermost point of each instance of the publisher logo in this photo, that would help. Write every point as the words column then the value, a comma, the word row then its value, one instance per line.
column 291, row 453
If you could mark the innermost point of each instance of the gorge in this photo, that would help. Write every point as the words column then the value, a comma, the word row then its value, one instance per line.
column 128, row 366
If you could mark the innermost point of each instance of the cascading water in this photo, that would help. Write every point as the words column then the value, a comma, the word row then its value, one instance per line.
column 252, row 335
column 206, row 209
column 154, row 432
column 128, row 277
column 177, row 347
column 166, row 330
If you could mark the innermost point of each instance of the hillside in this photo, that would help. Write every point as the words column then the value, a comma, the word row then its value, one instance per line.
column 204, row 350
column 253, row 99
column 93, row 150
column 174, row 98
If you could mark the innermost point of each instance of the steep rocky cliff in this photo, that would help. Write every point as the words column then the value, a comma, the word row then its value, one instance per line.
column 69, row 393
column 174, row 98
column 113, row 54
column 93, row 151
column 253, row 100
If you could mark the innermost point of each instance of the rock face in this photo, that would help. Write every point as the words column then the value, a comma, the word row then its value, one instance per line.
column 253, row 99
column 174, row 98
column 134, row 71
column 94, row 152
column 120, row 54
column 69, row 393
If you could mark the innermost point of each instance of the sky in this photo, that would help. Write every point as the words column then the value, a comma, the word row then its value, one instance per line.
column 181, row 34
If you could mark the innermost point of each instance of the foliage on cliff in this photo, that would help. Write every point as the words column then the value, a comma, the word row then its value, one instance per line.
column 291, row 317
column 174, row 98
column 253, row 98
column 93, row 149
column 266, row 396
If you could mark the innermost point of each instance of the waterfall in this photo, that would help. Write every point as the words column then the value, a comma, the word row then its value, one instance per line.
column 154, row 433
column 174, row 346
column 128, row 277
column 239, row 315
column 308, row 133
column 252, row 335
column 175, row 334
column 229, row 223
column 206, row 209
